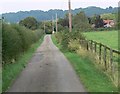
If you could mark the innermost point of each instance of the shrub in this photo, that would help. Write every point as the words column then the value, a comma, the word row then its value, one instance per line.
column 16, row 40
column 24, row 35
column 48, row 31
column 74, row 45
column 0, row 39
column 58, row 37
column 11, row 46
column 30, row 23
column 64, row 38
column 38, row 34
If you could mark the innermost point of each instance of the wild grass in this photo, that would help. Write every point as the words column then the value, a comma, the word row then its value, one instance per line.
column 110, row 39
column 93, row 79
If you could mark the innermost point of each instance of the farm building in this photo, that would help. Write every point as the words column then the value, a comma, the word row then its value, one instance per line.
column 109, row 23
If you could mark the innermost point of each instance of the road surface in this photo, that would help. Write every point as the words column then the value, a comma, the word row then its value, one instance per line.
column 47, row 71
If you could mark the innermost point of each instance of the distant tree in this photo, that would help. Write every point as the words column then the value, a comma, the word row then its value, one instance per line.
column 29, row 22
column 48, row 27
column 64, row 22
column 99, row 22
column 108, row 16
column 89, row 19
column 92, row 19
column 60, row 27
column 110, row 7
column 81, row 22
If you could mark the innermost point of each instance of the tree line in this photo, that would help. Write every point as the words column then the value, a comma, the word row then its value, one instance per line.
column 80, row 22
column 18, row 38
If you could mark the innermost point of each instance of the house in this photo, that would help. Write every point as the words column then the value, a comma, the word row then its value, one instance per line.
column 109, row 23
column 93, row 26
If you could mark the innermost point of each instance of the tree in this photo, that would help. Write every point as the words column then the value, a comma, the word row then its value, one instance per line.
column 110, row 7
column 108, row 16
column 64, row 22
column 48, row 27
column 81, row 22
column 99, row 22
column 29, row 22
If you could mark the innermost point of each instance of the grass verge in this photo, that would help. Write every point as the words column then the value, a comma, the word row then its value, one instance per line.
column 11, row 71
column 93, row 78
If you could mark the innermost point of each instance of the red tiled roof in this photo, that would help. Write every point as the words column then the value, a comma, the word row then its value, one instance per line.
column 108, row 21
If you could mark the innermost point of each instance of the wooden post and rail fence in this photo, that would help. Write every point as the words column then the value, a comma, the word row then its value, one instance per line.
column 106, row 56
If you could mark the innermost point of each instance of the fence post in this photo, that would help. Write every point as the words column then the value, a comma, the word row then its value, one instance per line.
column 111, row 60
column 87, row 45
column 100, row 52
column 105, row 54
column 95, row 47
column 91, row 46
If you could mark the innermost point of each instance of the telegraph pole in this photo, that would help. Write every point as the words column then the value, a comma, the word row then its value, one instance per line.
column 44, row 26
column 52, row 24
column 56, row 24
column 70, row 16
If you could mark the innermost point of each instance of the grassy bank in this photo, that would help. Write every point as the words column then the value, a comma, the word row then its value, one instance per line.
column 109, row 38
column 11, row 71
column 92, row 77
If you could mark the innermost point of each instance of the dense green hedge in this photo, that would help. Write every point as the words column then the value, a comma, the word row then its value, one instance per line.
column 65, row 37
column 16, row 40
column 0, row 43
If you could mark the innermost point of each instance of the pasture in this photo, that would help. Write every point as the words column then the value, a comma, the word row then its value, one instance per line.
column 109, row 38
column 107, row 58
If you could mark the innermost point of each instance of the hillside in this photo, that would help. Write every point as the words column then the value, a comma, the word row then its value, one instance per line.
column 47, row 15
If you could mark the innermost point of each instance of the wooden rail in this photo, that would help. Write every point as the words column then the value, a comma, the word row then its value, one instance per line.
column 106, row 55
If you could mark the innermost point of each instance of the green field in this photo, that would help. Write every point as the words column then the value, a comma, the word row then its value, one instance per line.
column 109, row 38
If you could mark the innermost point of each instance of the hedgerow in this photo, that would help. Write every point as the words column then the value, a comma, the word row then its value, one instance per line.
column 65, row 37
column 16, row 40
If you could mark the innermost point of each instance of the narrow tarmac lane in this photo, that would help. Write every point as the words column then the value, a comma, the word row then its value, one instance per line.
column 47, row 71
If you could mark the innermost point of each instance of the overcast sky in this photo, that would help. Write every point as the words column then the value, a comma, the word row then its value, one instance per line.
column 26, row 5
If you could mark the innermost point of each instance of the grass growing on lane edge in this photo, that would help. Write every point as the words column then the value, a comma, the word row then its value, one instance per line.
column 11, row 71
column 92, row 78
